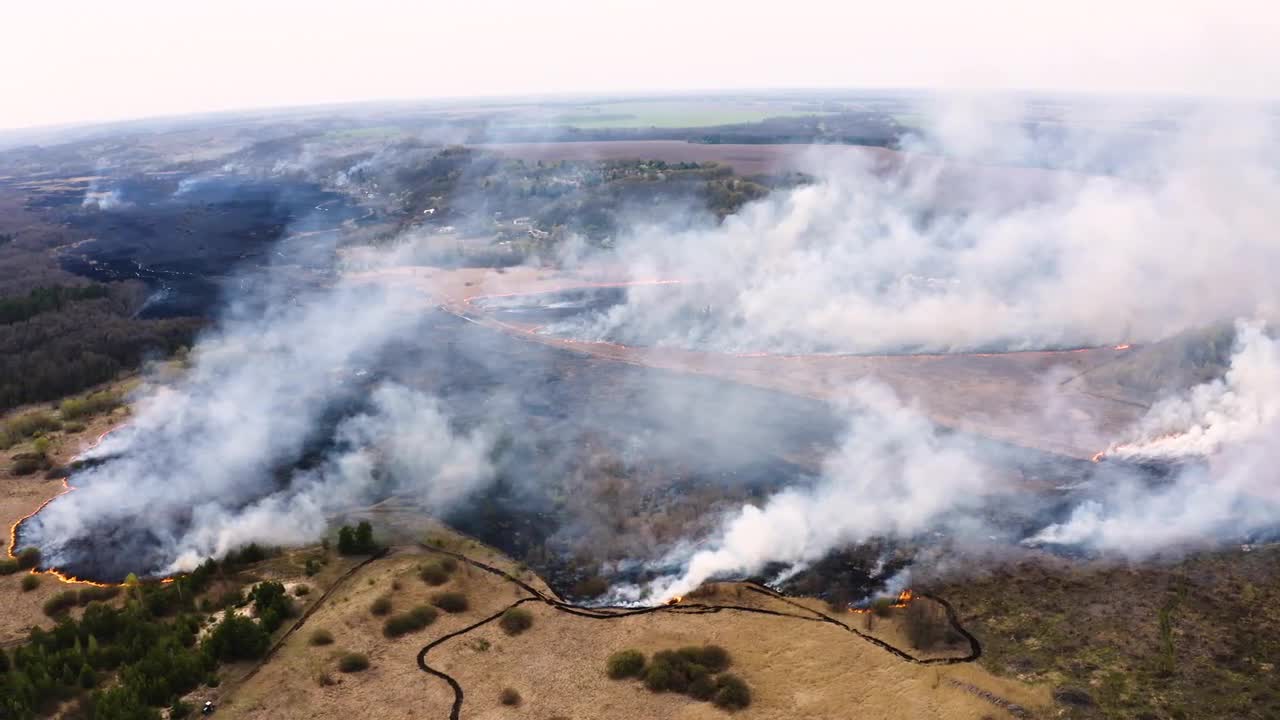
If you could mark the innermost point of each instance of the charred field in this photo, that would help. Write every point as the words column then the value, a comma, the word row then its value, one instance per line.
column 603, row 466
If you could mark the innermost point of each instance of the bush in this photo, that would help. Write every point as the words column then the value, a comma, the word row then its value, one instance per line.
column 302, row 590
column 731, row 693
column 179, row 710
column 381, row 606
column 450, row 602
column 625, row 664
column 61, row 603
column 73, row 408
column 8, row 567
column 28, row 463
column 515, row 621
column 321, row 637
column 712, row 657
column 659, row 676
column 434, row 573
column 324, row 679
column 312, row 567
column 92, row 593
column 509, row 697
column 702, row 688
column 30, row 582
column 353, row 662
column 404, row 623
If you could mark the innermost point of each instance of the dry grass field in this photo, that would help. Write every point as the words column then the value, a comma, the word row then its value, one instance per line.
column 795, row 667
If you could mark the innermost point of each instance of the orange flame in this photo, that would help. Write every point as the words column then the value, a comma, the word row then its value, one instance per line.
column 904, row 599
column 1097, row 457
column 66, row 488
column 675, row 600
column 1124, row 346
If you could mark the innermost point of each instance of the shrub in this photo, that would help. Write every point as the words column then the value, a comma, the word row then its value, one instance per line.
column 302, row 590
column 321, row 637
column 712, row 657
column 353, row 662
column 659, row 676
column 509, row 697
column 702, row 688
column 625, row 664
column 404, row 623
column 179, row 710
column 92, row 593
column 27, row 463
column 73, row 427
column 731, row 692
column 381, row 606
column 324, row 679
column 450, row 602
column 8, row 567
column 61, row 602
column 312, row 567
column 434, row 573
column 30, row 582
column 516, row 620
column 73, row 408
column 28, row 558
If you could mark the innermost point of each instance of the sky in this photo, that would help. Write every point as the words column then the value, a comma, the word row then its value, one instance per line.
column 80, row 61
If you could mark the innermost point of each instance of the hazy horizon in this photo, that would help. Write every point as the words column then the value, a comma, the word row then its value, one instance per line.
column 85, row 63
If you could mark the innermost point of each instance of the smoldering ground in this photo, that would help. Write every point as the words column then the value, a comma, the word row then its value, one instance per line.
column 302, row 405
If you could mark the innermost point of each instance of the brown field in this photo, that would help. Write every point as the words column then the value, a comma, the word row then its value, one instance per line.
column 795, row 667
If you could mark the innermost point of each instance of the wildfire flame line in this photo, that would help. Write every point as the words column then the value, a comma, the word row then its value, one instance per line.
column 66, row 488
column 904, row 599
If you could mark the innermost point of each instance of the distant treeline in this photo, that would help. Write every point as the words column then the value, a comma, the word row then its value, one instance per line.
column 853, row 128
column 45, row 299
column 71, row 339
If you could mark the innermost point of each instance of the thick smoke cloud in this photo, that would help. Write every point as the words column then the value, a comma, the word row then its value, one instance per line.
column 207, row 465
column 1239, row 407
column 892, row 475
column 918, row 259
column 1228, row 428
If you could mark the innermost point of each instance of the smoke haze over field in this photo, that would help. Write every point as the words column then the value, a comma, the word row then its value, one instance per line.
column 892, row 475
column 207, row 465
column 1181, row 237
column 284, row 419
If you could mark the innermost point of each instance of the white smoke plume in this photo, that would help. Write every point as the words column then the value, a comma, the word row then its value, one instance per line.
column 1231, row 425
column 926, row 259
column 893, row 475
column 1240, row 406
column 201, row 463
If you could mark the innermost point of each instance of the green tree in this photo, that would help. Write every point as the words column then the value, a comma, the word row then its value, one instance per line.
column 346, row 540
column 364, row 537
